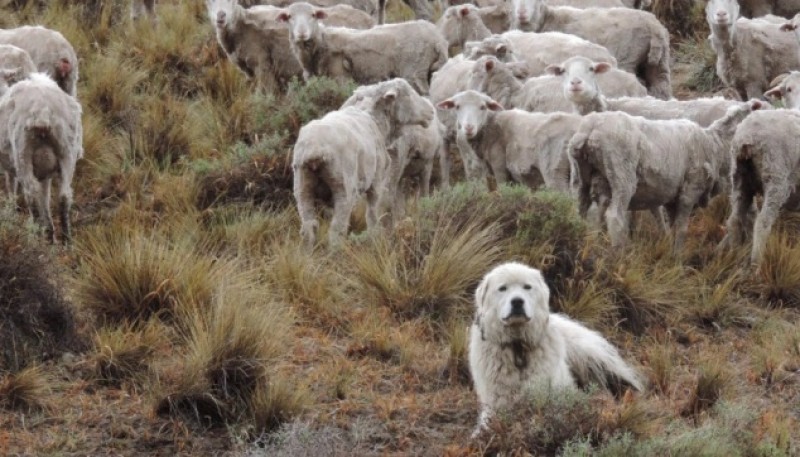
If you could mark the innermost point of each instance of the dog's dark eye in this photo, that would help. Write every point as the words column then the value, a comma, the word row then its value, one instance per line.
column 527, row 287
column 503, row 288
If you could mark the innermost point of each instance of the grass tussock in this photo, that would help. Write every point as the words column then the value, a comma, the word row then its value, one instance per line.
column 124, row 354
column 230, row 348
column 684, row 18
column 126, row 275
column 277, row 402
column 36, row 320
column 701, row 61
column 713, row 378
column 777, row 281
column 417, row 275
column 25, row 390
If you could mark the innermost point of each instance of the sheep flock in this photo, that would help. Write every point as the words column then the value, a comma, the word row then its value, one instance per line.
column 565, row 103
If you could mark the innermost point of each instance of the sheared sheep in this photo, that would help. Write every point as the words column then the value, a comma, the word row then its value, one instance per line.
column 42, row 130
column 411, row 50
column 528, row 148
column 758, row 8
column 343, row 156
column 16, row 63
column 580, row 78
column 537, row 50
column 644, row 164
column 462, row 23
column 541, row 93
column 637, row 39
column 766, row 157
column 49, row 50
column 140, row 8
column 750, row 52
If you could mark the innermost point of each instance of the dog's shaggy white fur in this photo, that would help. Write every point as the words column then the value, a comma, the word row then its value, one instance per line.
column 515, row 342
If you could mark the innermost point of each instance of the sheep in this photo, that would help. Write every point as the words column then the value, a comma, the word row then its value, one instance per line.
column 258, row 45
column 580, row 86
column 141, row 8
column 528, row 148
column 463, row 23
column 758, row 8
column 644, row 164
column 541, row 93
column 49, row 50
column 636, row 38
column 16, row 63
column 412, row 50
column 766, row 157
column 370, row 7
column 344, row 155
column 43, row 132
column 750, row 52
column 538, row 50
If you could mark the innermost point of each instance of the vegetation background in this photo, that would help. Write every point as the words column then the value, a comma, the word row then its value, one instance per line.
column 186, row 318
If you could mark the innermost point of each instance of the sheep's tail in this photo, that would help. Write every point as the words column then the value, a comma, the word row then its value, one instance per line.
column 574, row 147
column 592, row 359
column 658, row 60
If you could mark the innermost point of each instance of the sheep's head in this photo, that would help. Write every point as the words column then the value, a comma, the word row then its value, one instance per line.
column 482, row 70
column 527, row 13
column 459, row 23
column 722, row 13
column 793, row 25
column 303, row 21
column 492, row 46
column 579, row 76
column 786, row 88
column 396, row 100
column 472, row 111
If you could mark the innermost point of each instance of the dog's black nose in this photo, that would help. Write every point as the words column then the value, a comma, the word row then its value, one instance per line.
column 516, row 304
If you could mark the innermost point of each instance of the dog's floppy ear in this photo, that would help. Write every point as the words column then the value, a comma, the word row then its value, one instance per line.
column 480, row 293
column 544, row 288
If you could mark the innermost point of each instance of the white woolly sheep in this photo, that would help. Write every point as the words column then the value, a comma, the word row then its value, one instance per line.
column 636, row 38
column 259, row 45
column 750, row 52
column 766, row 157
column 462, row 23
column 343, row 156
column 411, row 50
column 643, row 164
column 49, row 50
column 42, row 129
column 541, row 93
column 140, row 8
column 580, row 78
column 528, row 148
column 537, row 50
column 16, row 63
column 758, row 8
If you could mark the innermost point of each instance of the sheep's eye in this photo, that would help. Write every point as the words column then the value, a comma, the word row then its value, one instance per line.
column 502, row 288
column 788, row 89
column 483, row 108
column 458, row 106
column 527, row 287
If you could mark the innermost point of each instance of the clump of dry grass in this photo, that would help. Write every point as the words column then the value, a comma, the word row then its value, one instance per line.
column 778, row 277
column 661, row 361
column 230, row 348
column 24, row 390
column 713, row 378
column 701, row 60
column 124, row 354
column 775, row 353
column 36, row 320
column 127, row 275
column 457, row 369
column 417, row 275
column 685, row 18
column 277, row 402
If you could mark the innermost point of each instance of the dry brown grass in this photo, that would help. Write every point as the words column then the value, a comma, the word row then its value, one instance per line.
column 25, row 390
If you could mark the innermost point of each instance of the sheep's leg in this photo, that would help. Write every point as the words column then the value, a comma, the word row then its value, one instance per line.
column 660, row 217
column 444, row 165
column 343, row 206
column 775, row 196
column 657, row 79
column 425, row 179
column 499, row 171
column 393, row 188
column 616, row 217
column 304, row 182
column 741, row 204
column 375, row 206
column 681, row 221
column 754, row 90
column 45, row 215
column 65, row 202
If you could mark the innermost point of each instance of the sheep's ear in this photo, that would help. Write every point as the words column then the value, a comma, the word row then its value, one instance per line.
column 390, row 95
column 464, row 11
column 446, row 104
column 284, row 17
column 775, row 92
column 556, row 70
column 519, row 70
column 494, row 106
column 8, row 74
column 788, row 27
column 601, row 67
column 489, row 65
column 756, row 105
column 319, row 14
column 778, row 79
column 501, row 50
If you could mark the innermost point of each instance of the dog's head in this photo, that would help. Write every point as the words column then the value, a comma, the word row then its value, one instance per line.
column 513, row 294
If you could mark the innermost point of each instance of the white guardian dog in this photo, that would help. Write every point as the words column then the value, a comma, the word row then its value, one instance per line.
column 515, row 342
